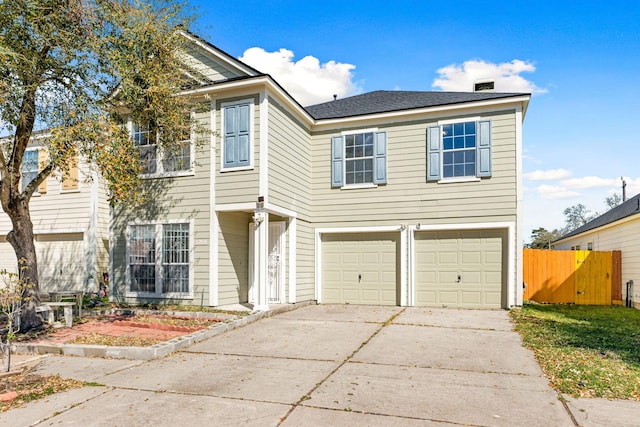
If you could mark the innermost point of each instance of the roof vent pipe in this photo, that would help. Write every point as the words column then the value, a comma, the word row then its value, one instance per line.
column 335, row 96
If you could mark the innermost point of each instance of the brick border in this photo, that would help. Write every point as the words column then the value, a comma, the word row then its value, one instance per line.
column 155, row 351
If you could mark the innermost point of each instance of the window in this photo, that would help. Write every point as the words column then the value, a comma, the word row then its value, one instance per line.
column 459, row 150
column 359, row 159
column 589, row 246
column 29, row 170
column 236, row 135
column 159, row 259
column 145, row 141
column 156, row 161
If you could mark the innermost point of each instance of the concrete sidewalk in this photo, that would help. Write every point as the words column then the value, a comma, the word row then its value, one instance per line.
column 328, row 366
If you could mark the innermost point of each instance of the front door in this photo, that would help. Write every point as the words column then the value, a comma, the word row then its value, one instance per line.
column 275, row 266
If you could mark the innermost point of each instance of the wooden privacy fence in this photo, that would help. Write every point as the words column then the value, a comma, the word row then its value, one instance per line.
column 578, row 277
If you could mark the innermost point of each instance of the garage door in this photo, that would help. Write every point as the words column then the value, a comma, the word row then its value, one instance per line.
column 360, row 269
column 60, row 261
column 460, row 268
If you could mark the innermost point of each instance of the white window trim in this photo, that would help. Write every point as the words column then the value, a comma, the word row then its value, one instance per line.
column 158, row 239
column 223, row 105
column 160, row 173
column 457, row 179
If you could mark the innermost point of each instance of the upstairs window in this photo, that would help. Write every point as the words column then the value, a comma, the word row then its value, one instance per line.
column 359, row 159
column 145, row 141
column 459, row 150
column 29, row 170
column 157, row 161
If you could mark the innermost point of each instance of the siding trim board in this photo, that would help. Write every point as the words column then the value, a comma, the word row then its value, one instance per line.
column 214, row 225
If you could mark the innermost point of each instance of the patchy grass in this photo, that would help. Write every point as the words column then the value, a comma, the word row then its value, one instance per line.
column 585, row 351
column 31, row 387
column 191, row 322
column 121, row 341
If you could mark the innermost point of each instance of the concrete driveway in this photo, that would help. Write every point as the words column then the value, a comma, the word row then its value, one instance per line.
column 319, row 365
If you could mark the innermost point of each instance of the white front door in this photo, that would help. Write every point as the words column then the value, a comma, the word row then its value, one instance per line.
column 275, row 266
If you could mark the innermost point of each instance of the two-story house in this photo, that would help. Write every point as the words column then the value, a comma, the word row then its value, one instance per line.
column 389, row 197
column 70, row 216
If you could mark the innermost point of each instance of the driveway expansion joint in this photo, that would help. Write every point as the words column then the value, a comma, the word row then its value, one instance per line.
column 307, row 396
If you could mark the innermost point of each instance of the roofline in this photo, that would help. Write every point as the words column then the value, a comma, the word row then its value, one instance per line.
column 600, row 228
column 524, row 99
column 263, row 79
column 214, row 50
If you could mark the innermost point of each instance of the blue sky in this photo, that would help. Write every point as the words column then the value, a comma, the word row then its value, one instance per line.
column 580, row 59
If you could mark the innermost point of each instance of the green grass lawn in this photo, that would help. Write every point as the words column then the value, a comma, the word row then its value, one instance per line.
column 585, row 351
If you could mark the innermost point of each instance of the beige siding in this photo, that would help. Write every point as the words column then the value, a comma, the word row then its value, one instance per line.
column 622, row 237
column 233, row 257
column 407, row 196
column 204, row 64
column 174, row 198
column 289, row 161
column 240, row 186
column 305, row 268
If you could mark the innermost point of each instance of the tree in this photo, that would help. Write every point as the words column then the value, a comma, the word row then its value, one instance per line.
column 76, row 68
column 576, row 216
column 613, row 201
column 541, row 238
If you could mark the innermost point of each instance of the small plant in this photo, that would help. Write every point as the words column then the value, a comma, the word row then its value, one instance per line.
column 12, row 291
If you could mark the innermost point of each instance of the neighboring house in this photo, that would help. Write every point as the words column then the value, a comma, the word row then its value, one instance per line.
column 70, row 216
column 389, row 197
column 617, row 229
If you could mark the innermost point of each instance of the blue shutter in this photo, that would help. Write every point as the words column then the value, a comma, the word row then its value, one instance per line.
column 230, row 137
column 434, row 144
column 337, row 152
column 380, row 158
column 237, row 136
column 243, row 135
column 483, row 153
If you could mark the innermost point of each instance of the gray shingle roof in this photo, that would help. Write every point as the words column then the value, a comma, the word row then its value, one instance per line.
column 626, row 209
column 383, row 101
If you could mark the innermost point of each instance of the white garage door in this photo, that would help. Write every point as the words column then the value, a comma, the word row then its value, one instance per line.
column 360, row 268
column 460, row 268
column 61, row 259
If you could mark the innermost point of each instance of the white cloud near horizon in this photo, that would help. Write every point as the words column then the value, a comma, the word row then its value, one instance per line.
column 547, row 175
column 307, row 80
column 555, row 192
column 460, row 77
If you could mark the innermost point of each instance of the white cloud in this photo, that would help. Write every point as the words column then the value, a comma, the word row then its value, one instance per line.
column 307, row 80
column 591, row 182
column 540, row 175
column 460, row 78
column 555, row 192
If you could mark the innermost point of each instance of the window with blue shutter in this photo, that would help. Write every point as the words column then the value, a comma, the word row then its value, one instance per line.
column 236, row 136
column 359, row 158
column 459, row 150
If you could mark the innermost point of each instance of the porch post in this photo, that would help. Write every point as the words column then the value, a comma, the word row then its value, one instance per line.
column 260, row 256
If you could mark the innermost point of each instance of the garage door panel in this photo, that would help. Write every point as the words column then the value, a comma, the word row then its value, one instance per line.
column 368, row 263
column 476, row 256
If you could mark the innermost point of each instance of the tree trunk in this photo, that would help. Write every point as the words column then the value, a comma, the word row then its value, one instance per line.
column 21, row 238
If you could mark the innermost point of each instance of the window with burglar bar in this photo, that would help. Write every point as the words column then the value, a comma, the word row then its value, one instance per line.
column 159, row 258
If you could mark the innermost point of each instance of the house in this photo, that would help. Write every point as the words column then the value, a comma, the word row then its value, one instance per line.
column 70, row 216
column 617, row 229
column 389, row 197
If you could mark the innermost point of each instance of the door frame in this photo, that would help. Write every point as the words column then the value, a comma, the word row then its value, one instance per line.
column 280, row 227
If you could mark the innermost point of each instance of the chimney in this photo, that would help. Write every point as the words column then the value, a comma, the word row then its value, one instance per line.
column 487, row 85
